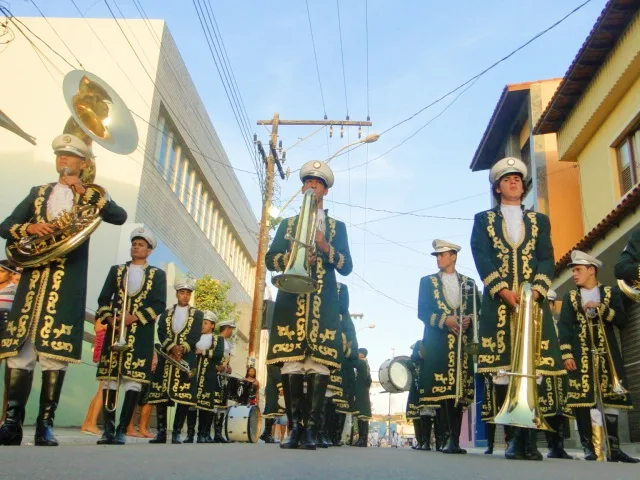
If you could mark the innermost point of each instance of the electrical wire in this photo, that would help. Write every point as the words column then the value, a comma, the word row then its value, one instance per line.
column 344, row 76
column 315, row 55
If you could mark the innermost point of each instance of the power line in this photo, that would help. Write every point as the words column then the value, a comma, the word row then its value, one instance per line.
column 54, row 31
column 425, row 125
column 466, row 83
column 344, row 76
column 366, row 27
column 222, row 74
column 315, row 55
column 492, row 66
column 399, row 302
column 412, row 214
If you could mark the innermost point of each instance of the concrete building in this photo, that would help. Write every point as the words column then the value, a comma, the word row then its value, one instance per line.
column 179, row 182
column 595, row 114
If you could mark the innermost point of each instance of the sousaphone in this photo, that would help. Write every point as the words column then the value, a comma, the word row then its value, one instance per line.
column 99, row 115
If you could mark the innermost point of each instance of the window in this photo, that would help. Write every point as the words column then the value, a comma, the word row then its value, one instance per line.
column 628, row 155
column 195, row 199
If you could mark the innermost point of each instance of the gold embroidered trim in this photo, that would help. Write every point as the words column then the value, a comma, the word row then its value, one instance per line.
column 542, row 278
column 59, row 358
column 443, row 319
column 490, row 278
column 497, row 288
column 341, row 260
column 141, row 318
column 297, row 358
column 565, row 346
column 332, row 254
column 567, row 356
column 541, row 290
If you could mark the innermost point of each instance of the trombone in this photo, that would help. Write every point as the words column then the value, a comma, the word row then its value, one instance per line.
column 471, row 348
column 616, row 383
column 181, row 365
column 118, row 347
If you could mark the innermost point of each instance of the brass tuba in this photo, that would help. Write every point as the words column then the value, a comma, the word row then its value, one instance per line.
column 97, row 114
column 296, row 277
column 520, row 408
column 632, row 292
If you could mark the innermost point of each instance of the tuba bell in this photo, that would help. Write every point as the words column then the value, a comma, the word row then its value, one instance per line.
column 296, row 277
column 632, row 292
column 520, row 408
column 97, row 114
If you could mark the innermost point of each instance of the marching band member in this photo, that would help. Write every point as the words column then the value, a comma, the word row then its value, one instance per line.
column 445, row 319
column 272, row 408
column 179, row 330
column 423, row 435
column 304, row 336
column 363, row 400
column 146, row 288
column 227, row 328
column 582, row 309
column 46, row 324
column 210, row 351
column 510, row 247
column 553, row 401
column 628, row 265
column 345, row 403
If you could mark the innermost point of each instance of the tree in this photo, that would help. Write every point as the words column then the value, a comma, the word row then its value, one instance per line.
column 211, row 294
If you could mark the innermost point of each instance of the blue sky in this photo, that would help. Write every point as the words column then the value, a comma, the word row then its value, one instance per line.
column 418, row 50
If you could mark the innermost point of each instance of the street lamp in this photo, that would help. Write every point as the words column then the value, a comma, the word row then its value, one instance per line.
column 372, row 325
column 368, row 139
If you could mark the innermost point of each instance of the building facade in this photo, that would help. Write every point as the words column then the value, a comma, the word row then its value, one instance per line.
column 595, row 114
column 179, row 181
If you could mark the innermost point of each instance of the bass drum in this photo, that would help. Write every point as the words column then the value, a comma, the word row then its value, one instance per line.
column 395, row 376
column 241, row 424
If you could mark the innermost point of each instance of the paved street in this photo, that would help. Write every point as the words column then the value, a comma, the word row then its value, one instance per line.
column 78, row 458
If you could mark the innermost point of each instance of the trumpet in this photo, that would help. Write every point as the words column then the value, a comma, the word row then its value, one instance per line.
column 181, row 365
column 470, row 348
column 118, row 347
column 296, row 277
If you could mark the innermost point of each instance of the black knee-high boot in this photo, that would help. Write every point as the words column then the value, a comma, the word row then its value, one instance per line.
column 341, row 418
column 585, row 431
column 327, row 423
column 109, row 415
column 617, row 455
column 555, row 441
column 293, row 387
column 178, row 423
column 417, row 429
column 51, row 384
column 426, row 423
column 316, row 389
column 491, row 436
column 204, row 426
column 192, row 418
column 126, row 414
column 161, row 423
column 218, row 425
column 18, row 387
column 531, row 451
column 453, row 414
column 363, row 432
column 266, row 436
column 516, row 444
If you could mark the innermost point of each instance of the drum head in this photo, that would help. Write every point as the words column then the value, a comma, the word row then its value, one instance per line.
column 241, row 424
column 400, row 376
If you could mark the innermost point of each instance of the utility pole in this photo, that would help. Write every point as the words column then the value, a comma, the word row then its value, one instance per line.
column 271, row 161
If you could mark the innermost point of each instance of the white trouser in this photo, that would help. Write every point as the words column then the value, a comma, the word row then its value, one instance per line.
column 27, row 358
column 597, row 418
column 308, row 366
column 129, row 385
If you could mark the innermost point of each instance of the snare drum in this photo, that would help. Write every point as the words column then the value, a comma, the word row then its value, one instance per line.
column 395, row 376
column 241, row 424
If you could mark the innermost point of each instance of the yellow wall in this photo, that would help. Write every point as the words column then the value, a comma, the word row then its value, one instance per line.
column 597, row 160
column 613, row 79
